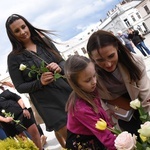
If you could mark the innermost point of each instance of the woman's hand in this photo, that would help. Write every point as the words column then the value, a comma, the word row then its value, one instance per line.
column 54, row 67
column 26, row 113
column 46, row 78
column 8, row 119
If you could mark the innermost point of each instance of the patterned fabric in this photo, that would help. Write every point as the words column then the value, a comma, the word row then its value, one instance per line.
column 83, row 142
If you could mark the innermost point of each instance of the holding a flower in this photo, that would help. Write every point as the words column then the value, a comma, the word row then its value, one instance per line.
column 42, row 76
column 15, row 118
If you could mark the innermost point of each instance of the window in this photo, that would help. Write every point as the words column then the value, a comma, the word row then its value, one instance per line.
column 76, row 53
column 83, row 50
column 138, row 15
column 147, row 9
column 127, row 23
column 133, row 18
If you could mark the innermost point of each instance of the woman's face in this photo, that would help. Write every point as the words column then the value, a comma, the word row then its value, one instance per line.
column 107, row 58
column 20, row 30
column 87, row 78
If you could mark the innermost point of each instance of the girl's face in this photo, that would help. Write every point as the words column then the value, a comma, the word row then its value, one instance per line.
column 107, row 58
column 20, row 30
column 87, row 78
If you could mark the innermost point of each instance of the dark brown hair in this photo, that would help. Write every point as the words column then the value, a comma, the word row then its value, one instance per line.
column 38, row 36
column 100, row 39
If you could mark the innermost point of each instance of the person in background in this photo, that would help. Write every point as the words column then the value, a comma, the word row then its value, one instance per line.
column 138, row 41
column 13, row 104
column 28, row 104
column 3, row 134
column 122, row 76
column 32, row 46
column 124, row 39
column 84, row 108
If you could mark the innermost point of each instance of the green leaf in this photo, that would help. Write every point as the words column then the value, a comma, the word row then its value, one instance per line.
column 139, row 146
column 38, row 78
column 29, row 74
column 57, row 76
column 42, row 63
column 33, row 67
column 43, row 69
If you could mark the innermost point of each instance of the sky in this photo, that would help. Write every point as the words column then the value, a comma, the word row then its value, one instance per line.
column 67, row 17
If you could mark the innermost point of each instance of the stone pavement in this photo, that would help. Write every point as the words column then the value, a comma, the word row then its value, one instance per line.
column 52, row 143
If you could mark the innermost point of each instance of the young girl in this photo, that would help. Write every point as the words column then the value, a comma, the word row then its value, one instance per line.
column 84, row 108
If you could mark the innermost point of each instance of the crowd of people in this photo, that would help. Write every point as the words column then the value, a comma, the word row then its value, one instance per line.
column 133, row 38
column 87, row 88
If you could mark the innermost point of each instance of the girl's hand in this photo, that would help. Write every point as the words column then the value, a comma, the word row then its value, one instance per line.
column 54, row 67
column 46, row 78
column 26, row 113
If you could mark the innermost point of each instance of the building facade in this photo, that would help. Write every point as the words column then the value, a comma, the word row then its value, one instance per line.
column 125, row 15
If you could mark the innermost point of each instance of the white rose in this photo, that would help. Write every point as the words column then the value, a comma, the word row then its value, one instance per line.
column 3, row 111
column 135, row 104
column 125, row 141
column 22, row 67
column 145, row 129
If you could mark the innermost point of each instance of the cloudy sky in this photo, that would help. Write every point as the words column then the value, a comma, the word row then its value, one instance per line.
column 66, row 17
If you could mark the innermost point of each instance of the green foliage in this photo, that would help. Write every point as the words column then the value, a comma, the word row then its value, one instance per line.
column 12, row 115
column 57, row 76
column 144, row 116
column 17, row 144
column 38, row 71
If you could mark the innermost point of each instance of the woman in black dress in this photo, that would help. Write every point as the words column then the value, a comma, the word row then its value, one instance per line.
column 31, row 46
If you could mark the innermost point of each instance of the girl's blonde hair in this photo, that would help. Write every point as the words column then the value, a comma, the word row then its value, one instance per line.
column 73, row 66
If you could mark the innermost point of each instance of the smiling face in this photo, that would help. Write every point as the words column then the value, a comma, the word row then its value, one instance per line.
column 87, row 78
column 20, row 30
column 106, row 58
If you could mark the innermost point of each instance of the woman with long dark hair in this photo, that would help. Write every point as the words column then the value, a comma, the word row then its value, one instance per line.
column 122, row 76
column 31, row 46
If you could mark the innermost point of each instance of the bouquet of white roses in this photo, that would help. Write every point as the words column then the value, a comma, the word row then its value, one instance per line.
column 127, row 141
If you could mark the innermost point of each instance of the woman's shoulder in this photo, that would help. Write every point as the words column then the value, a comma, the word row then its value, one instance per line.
column 137, row 57
column 139, row 61
column 11, row 56
column 14, row 55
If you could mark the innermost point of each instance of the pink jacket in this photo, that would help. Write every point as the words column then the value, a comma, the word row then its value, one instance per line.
column 83, row 121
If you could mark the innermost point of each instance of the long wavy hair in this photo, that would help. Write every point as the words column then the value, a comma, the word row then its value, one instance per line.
column 100, row 39
column 38, row 36
column 73, row 66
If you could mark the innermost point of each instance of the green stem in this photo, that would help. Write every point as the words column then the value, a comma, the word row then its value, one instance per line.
column 16, row 121
column 38, row 72
column 141, row 111
column 117, row 132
